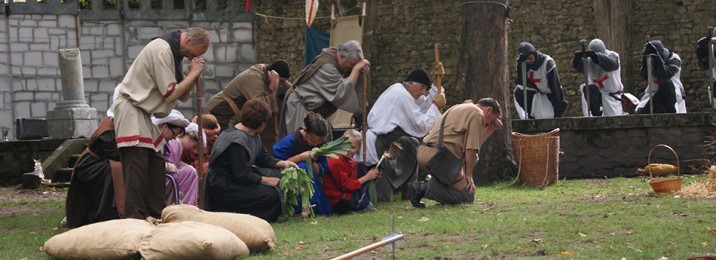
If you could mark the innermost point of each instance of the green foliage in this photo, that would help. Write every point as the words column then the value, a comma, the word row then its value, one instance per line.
column 295, row 182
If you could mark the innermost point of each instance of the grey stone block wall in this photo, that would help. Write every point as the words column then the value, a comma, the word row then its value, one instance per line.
column 31, row 33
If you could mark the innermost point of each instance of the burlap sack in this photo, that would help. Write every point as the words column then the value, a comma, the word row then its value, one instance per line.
column 255, row 232
column 191, row 240
column 114, row 239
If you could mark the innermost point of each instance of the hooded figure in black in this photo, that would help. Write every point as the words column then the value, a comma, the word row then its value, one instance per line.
column 668, row 94
column 702, row 54
column 545, row 98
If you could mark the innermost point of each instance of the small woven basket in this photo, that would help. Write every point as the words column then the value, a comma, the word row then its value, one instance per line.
column 538, row 157
column 666, row 184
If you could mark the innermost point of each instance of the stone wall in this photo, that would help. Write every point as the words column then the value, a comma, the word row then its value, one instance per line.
column 109, row 40
column 400, row 35
column 616, row 146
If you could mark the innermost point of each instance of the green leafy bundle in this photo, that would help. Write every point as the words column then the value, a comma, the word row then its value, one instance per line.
column 295, row 181
column 329, row 149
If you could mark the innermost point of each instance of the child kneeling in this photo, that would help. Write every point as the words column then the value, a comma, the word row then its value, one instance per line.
column 345, row 189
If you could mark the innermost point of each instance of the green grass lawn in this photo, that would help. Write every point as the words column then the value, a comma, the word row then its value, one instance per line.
column 581, row 219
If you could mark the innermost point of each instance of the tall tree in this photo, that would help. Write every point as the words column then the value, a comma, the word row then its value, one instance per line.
column 484, row 46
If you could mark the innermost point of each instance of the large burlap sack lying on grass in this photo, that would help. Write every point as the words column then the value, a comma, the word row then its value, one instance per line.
column 114, row 239
column 255, row 232
column 191, row 240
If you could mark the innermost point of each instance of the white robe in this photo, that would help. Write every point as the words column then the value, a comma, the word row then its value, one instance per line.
column 396, row 107
column 608, row 82
column 541, row 106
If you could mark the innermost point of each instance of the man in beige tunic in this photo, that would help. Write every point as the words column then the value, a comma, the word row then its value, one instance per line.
column 259, row 81
column 152, row 86
column 325, row 85
column 467, row 126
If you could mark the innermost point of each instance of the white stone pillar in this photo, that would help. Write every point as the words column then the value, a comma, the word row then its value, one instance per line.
column 71, row 117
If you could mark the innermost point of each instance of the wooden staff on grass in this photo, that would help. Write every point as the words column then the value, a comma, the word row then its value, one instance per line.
column 438, row 81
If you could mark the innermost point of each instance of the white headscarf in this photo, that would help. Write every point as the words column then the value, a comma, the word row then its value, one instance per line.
column 192, row 127
column 174, row 118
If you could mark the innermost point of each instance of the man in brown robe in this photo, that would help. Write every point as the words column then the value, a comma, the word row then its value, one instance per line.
column 261, row 81
column 326, row 84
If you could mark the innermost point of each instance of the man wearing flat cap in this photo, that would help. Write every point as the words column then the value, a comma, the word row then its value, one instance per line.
column 403, row 113
column 261, row 81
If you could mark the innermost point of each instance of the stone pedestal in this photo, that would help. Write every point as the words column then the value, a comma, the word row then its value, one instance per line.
column 72, row 117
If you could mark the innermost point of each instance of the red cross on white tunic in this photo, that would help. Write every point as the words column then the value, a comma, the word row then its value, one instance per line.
column 600, row 82
column 533, row 79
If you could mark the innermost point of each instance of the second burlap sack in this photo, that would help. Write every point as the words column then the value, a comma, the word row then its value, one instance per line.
column 191, row 240
column 255, row 232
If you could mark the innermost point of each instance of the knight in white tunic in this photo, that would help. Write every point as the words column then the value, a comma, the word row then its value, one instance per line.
column 604, row 80
column 545, row 97
column 666, row 91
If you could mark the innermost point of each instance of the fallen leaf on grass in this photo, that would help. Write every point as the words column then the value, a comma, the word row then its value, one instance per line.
column 423, row 219
column 299, row 248
column 705, row 243
column 582, row 235
column 485, row 246
column 710, row 230
column 536, row 240
column 664, row 258
column 301, row 242
column 566, row 253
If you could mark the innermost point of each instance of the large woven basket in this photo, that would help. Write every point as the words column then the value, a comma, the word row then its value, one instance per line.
column 538, row 157
column 665, row 184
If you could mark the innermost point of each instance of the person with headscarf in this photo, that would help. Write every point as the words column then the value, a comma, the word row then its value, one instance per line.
column 604, row 80
column 173, row 126
column 403, row 113
column 152, row 86
column 325, row 85
column 182, row 174
column 242, row 176
column 666, row 91
column 259, row 81
column 545, row 97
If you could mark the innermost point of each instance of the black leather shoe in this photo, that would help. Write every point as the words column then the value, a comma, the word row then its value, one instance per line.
column 417, row 191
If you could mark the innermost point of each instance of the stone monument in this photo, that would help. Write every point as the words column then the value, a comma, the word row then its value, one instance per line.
column 71, row 117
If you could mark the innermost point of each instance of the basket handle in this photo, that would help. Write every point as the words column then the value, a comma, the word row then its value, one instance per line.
column 678, row 165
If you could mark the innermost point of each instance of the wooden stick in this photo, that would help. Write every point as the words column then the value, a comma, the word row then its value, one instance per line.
column 200, row 147
column 711, row 67
column 364, row 96
column 586, row 67
column 650, row 84
column 438, row 79
column 386, row 241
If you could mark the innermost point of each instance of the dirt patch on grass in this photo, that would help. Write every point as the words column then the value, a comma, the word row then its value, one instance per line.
column 15, row 200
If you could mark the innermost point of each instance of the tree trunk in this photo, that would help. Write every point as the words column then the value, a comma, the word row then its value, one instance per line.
column 614, row 17
column 484, row 45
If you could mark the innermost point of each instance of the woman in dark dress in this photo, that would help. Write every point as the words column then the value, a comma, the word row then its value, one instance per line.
column 242, row 176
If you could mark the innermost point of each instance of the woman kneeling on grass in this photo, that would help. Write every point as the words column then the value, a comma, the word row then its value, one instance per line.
column 345, row 189
column 242, row 176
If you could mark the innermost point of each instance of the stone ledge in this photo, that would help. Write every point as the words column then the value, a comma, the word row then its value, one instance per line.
column 614, row 122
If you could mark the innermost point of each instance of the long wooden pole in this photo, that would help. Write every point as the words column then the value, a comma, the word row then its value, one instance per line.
column 386, row 241
column 711, row 68
column 200, row 147
column 438, row 78
column 650, row 85
column 364, row 96
column 587, row 67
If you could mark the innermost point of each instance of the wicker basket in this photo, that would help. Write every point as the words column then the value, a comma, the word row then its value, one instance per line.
column 538, row 157
column 666, row 184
